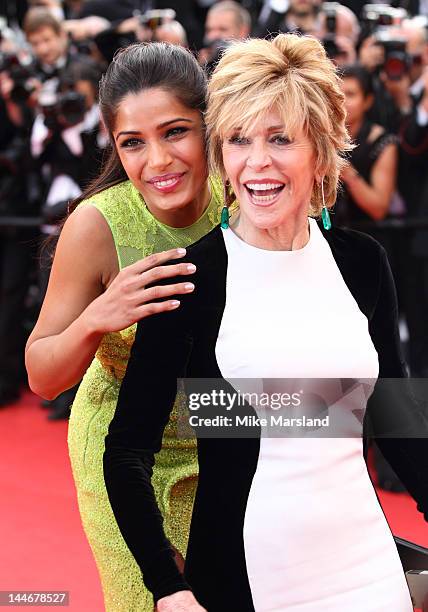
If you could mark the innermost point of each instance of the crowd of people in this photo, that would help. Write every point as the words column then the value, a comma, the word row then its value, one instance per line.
column 52, row 55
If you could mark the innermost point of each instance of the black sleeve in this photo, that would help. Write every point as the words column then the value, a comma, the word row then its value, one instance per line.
column 159, row 356
column 393, row 407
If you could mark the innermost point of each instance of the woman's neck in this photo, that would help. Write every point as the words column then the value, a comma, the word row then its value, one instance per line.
column 291, row 236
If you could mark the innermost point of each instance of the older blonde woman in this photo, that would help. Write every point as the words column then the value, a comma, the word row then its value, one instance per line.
column 278, row 523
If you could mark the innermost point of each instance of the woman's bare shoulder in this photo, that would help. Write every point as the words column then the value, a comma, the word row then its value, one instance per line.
column 375, row 132
column 86, row 240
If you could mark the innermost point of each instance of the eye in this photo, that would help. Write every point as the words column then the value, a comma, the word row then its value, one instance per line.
column 177, row 131
column 280, row 139
column 131, row 143
column 238, row 140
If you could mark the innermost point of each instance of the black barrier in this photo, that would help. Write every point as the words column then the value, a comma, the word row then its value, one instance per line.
column 386, row 224
column 393, row 224
column 20, row 221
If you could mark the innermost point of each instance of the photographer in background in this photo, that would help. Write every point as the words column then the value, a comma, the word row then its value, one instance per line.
column 396, row 54
column 16, row 253
column 225, row 21
column 67, row 142
column 157, row 25
column 335, row 25
column 18, row 199
column 394, row 49
column 22, row 81
column 48, row 42
column 413, row 186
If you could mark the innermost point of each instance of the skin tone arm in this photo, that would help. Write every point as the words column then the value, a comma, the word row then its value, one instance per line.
column 184, row 601
column 88, row 296
column 374, row 198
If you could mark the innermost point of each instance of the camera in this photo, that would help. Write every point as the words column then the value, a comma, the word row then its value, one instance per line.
column 375, row 16
column 62, row 110
column 21, row 74
column 397, row 61
column 156, row 18
column 329, row 41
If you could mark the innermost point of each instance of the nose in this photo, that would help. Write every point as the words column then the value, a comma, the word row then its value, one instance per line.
column 258, row 156
column 40, row 49
column 158, row 156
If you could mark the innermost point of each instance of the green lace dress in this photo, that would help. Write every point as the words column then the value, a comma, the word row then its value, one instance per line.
column 136, row 233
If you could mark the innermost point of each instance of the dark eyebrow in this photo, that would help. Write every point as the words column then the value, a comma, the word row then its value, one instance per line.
column 128, row 133
column 161, row 125
column 174, row 120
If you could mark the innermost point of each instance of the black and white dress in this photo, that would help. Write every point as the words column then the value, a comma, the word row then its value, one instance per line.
column 278, row 523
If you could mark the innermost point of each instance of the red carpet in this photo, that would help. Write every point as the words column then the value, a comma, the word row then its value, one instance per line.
column 42, row 542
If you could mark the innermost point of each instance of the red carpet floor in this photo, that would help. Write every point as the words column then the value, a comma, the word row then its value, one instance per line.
column 42, row 543
column 41, row 540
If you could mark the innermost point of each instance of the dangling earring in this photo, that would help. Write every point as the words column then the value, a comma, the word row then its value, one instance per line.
column 325, row 215
column 228, row 200
column 224, row 219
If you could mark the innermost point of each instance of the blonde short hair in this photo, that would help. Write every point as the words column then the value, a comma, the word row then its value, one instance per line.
column 291, row 73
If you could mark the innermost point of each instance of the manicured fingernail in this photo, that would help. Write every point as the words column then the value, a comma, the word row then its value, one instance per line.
column 191, row 268
column 174, row 304
column 181, row 251
column 189, row 286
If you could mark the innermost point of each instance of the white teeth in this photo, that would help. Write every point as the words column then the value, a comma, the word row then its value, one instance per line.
column 264, row 198
column 263, row 186
column 165, row 183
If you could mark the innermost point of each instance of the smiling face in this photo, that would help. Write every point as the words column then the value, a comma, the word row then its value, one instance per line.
column 161, row 145
column 271, row 173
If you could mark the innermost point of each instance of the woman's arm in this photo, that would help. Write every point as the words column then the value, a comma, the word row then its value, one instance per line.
column 87, row 297
column 396, row 420
column 159, row 356
column 374, row 198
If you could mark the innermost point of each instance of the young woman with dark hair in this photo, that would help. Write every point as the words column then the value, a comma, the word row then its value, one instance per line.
column 154, row 194
column 369, row 180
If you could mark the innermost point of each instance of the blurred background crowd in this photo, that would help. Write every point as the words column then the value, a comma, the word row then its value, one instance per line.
column 52, row 55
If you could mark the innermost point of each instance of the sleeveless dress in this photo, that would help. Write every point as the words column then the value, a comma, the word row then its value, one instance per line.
column 136, row 234
column 363, row 158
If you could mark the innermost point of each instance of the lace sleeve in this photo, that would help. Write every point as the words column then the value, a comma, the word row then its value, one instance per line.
column 380, row 143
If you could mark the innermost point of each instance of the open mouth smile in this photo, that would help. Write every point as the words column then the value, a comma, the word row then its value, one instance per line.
column 263, row 193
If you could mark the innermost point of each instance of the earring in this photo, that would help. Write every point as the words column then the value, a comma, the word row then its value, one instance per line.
column 228, row 199
column 224, row 218
column 325, row 215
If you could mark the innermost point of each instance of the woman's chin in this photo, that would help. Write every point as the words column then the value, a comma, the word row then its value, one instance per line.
column 263, row 217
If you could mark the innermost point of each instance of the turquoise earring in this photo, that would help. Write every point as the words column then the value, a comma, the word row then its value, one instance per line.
column 224, row 219
column 325, row 215
column 228, row 199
